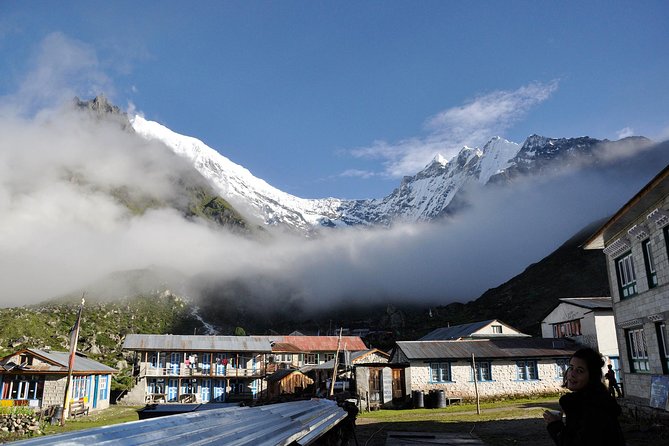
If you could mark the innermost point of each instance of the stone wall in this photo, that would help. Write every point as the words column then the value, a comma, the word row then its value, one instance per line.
column 54, row 391
column 504, row 380
column 20, row 424
column 644, row 310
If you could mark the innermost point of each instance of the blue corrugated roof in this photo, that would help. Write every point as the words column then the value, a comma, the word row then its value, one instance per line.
column 298, row 422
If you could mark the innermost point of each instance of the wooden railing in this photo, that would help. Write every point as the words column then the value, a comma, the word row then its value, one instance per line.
column 200, row 372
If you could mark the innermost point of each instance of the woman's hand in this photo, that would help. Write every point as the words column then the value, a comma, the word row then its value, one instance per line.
column 551, row 416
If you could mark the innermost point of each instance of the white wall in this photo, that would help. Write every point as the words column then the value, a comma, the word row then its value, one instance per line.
column 504, row 380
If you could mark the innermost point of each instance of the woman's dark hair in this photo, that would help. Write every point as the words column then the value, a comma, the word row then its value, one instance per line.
column 594, row 362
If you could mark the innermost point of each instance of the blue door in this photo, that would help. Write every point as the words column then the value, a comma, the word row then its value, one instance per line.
column 205, row 390
column 206, row 363
column 95, row 391
column 219, row 390
column 172, row 389
column 175, row 362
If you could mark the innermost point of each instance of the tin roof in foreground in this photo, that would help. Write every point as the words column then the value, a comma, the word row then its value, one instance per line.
column 294, row 423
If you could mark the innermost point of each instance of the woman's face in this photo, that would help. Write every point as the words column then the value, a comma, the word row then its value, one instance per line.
column 577, row 374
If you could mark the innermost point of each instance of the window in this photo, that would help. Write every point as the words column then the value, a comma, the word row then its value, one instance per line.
column 561, row 366
column 497, row 329
column 567, row 329
column 483, row 371
column 663, row 340
column 626, row 275
column 103, row 387
column 311, row 358
column 80, row 387
column 527, row 370
column 636, row 343
column 440, row 372
column 649, row 263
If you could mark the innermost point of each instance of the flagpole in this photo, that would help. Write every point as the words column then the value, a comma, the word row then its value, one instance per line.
column 74, row 338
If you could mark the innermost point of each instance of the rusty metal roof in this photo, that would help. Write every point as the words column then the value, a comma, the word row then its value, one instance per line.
column 323, row 343
column 283, row 347
column 487, row 348
column 193, row 343
column 295, row 423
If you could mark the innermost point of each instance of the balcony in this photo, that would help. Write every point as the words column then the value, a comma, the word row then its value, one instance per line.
column 201, row 372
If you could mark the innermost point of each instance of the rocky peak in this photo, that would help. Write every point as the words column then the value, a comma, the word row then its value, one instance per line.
column 100, row 107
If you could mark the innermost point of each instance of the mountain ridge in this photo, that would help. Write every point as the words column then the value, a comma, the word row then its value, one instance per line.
column 425, row 196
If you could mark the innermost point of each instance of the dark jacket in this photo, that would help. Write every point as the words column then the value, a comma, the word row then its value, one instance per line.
column 591, row 420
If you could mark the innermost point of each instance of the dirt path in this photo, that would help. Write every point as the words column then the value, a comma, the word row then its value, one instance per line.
column 514, row 432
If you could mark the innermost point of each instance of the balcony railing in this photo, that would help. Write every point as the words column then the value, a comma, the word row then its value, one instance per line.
column 213, row 372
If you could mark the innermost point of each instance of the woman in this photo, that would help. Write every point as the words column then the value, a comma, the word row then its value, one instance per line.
column 591, row 413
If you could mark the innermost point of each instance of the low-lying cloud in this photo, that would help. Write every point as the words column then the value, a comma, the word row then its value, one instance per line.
column 62, row 229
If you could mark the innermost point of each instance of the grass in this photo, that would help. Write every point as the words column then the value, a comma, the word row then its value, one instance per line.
column 106, row 417
column 490, row 410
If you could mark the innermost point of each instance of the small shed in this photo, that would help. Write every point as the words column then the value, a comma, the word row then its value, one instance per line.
column 287, row 381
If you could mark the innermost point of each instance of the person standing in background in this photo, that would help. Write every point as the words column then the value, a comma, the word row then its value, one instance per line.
column 614, row 387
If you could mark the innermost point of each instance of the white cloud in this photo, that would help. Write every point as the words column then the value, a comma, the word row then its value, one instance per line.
column 471, row 124
column 625, row 133
column 358, row 173
column 61, row 69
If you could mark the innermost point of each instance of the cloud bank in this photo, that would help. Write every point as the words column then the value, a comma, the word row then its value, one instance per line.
column 62, row 227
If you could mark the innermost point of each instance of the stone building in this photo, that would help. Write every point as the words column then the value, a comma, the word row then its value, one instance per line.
column 37, row 378
column 500, row 366
column 636, row 244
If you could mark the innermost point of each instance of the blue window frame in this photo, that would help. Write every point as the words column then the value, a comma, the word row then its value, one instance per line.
column 483, row 371
column 440, row 372
column 561, row 366
column 527, row 370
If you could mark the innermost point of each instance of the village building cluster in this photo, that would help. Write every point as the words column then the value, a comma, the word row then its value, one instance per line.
column 484, row 358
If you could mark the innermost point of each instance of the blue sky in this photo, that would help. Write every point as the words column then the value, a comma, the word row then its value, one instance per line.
column 343, row 98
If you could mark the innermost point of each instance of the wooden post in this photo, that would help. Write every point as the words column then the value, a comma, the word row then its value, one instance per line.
column 476, row 387
column 336, row 363
column 74, row 338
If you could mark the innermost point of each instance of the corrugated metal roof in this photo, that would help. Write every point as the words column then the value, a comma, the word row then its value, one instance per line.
column 300, row 422
column 323, row 343
column 280, row 374
column 283, row 347
column 469, row 331
column 593, row 303
column 455, row 332
column 487, row 348
column 355, row 356
column 59, row 363
column 149, row 342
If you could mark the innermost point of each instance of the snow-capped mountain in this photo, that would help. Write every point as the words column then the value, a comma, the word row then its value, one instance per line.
column 430, row 194
column 251, row 195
